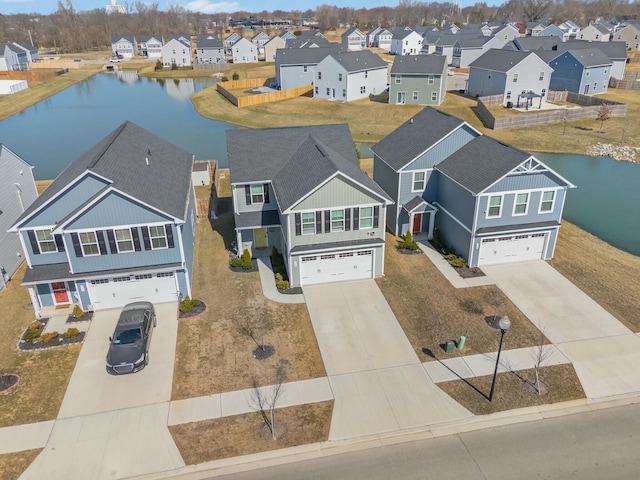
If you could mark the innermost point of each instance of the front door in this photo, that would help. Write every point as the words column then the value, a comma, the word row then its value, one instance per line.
column 60, row 294
column 402, row 98
column 417, row 223
column 260, row 237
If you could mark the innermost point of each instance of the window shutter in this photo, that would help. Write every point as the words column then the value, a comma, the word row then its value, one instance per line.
column 347, row 219
column 101, row 244
column 327, row 221
column 356, row 218
column 169, row 231
column 34, row 242
column 136, row 239
column 145, row 238
column 298, row 224
column 376, row 216
column 59, row 242
column 76, row 244
column 247, row 194
column 112, row 242
column 265, row 187
column 318, row 222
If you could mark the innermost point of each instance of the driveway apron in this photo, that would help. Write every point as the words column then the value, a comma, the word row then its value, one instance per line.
column 603, row 351
column 378, row 382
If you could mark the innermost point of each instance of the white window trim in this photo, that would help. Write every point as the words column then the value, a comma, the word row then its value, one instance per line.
column 515, row 204
column 360, row 217
column 115, row 237
column 413, row 181
column 254, row 202
column 164, row 235
column 553, row 201
column 515, row 78
column 40, row 242
column 82, row 244
column 398, row 79
column 499, row 207
column 313, row 223
column 331, row 220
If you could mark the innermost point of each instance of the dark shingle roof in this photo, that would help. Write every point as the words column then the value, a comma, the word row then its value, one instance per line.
column 306, row 42
column 613, row 50
column 415, row 136
column 358, row 61
column 468, row 41
column 401, row 34
column 499, row 60
column 304, row 56
column 121, row 158
column 419, row 64
column 481, row 162
column 589, row 57
column 116, row 38
column 208, row 41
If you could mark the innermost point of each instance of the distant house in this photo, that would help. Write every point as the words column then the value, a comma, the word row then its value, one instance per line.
column 116, row 226
column 467, row 48
column 480, row 28
column 630, row 35
column 287, row 35
column 243, row 51
column 350, row 76
column 506, row 33
column 306, row 42
column 594, row 33
column 229, row 41
column 354, row 40
column 260, row 39
column 418, row 79
column 429, row 41
column 127, row 46
column 614, row 51
column 383, row 39
column 295, row 67
column 151, row 46
column 554, row 31
column 510, row 74
column 271, row 46
column 12, row 58
column 32, row 53
column 310, row 201
column 209, row 49
column 176, row 52
column 584, row 71
column 17, row 193
column 570, row 28
column 371, row 36
column 444, row 45
column 533, row 29
column 406, row 42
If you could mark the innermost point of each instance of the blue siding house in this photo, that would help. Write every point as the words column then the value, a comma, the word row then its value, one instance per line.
column 491, row 202
column 116, row 226
column 586, row 71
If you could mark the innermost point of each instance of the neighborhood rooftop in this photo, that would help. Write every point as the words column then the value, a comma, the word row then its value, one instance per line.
column 419, row 64
column 357, row 61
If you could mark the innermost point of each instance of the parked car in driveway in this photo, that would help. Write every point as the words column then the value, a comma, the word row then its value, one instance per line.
column 129, row 345
column 115, row 60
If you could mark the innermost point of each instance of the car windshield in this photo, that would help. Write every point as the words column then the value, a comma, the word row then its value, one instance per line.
column 125, row 337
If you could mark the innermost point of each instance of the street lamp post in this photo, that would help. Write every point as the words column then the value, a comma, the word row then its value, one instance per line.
column 504, row 323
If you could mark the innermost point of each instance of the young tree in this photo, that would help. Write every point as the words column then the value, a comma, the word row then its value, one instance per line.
column 495, row 298
column 540, row 353
column 604, row 113
column 265, row 399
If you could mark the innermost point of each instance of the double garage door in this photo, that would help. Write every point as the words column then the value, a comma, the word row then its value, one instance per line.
column 336, row 267
column 515, row 248
column 116, row 292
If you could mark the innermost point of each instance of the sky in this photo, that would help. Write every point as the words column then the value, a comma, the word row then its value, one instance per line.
column 205, row 6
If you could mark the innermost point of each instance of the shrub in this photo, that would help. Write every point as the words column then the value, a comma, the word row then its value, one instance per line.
column 246, row 260
column 158, row 66
column 282, row 285
column 36, row 326
column 408, row 243
column 451, row 257
column 459, row 262
column 236, row 262
column 186, row 305
column 72, row 332
column 224, row 79
column 278, row 277
column 174, row 66
column 235, row 76
column 77, row 312
column 31, row 335
column 195, row 303
column 47, row 337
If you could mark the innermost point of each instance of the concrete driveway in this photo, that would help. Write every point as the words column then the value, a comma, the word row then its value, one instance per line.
column 604, row 352
column 378, row 382
column 92, row 390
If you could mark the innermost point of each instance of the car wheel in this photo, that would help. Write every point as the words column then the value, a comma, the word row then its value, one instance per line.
column 146, row 359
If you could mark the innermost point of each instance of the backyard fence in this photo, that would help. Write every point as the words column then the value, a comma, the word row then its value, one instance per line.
column 225, row 90
column 631, row 81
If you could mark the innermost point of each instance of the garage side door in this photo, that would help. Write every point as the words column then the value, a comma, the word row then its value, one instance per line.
column 116, row 292
column 336, row 267
column 515, row 248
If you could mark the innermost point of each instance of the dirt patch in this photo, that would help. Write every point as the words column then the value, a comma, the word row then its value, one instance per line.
column 13, row 464
column 244, row 434
column 7, row 382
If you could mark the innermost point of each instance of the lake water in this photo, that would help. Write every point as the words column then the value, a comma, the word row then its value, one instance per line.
column 56, row 131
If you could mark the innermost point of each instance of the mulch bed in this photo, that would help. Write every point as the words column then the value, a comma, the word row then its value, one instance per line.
column 7, row 382
column 263, row 352
column 470, row 272
column 406, row 251
column 59, row 341
column 194, row 312
column 254, row 267
column 86, row 316
column 291, row 291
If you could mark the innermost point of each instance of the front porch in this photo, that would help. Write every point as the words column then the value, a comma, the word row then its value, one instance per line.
column 421, row 215
column 258, row 232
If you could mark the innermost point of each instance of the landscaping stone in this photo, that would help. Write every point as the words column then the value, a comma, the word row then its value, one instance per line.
column 622, row 152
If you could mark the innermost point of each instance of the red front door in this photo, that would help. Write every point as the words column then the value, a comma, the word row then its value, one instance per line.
column 417, row 223
column 60, row 294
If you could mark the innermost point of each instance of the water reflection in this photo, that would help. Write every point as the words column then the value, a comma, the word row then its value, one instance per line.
column 128, row 76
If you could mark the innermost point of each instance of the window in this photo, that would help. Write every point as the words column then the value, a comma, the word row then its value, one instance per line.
column 319, row 75
column 339, row 77
column 257, row 194
column 99, row 281
column 418, row 181
column 328, row 92
column 363, row 89
column 46, row 243
column 144, row 276
column 541, row 76
column 366, row 74
column 157, row 237
column 546, row 201
column 415, row 95
column 304, row 69
column 398, row 79
column 89, row 244
column 430, row 80
column 316, row 90
column 366, row 217
column 587, row 72
column 434, row 96
column 308, row 223
column 605, row 70
column 521, row 204
column 595, row 86
column 164, row 274
column 337, row 220
column 508, row 95
column 344, row 93
column 544, row 92
column 124, row 241
column 515, row 78
column 495, row 206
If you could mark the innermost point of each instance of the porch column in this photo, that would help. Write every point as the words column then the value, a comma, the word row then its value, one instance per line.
column 238, row 243
column 35, row 301
column 432, row 221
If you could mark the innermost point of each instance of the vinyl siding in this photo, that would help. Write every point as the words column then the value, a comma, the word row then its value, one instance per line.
column 417, row 83
column 83, row 294
column 453, row 234
column 240, row 200
column 568, row 76
column 45, row 294
column 187, row 231
column 43, row 258
column 182, row 283
column 337, row 192
column 507, row 217
column 387, row 178
column 525, row 182
column 293, row 76
column 456, row 200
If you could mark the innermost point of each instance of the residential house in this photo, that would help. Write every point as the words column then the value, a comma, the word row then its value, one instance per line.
column 260, row 39
column 271, row 47
column 354, row 40
column 151, row 46
column 350, row 76
column 306, row 42
column 311, row 34
column 176, row 52
column 310, row 201
column 116, row 226
column 444, row 44
column 229, row 41
column 429, row 41
column 450, row 28
column 17, row 192
column 528, row 44
column 418, row 79
column 209, row 49
column 371, row 36
column 467, row 48
column 295, row 67
column 287, row 35
column 630, row 35
column 383, row 40
column 490, row 202
column 615, row 51
column 594, row 33
column 478, row 29
column 13, row 58
column 406, row 42
column 32, row 53
column 570, row 28
column 511, row 74
column 553, row 30
column 243, row 51
column 125, row 46
column 506, row 33
column 424, row 29
column 533, row 29
column 585, row 71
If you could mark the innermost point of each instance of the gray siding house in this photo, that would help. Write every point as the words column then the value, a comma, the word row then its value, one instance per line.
column 243, row 51
column 354, row 40
column 311, row 201
column 630, row 35
column 383, row 40
column 127, row 46
column 151, row 46
column 491, row 202
column 467, row 48
column 229, row 41
column 584, row 71
column 209, row 50
column 17, row 192
column 418, row 79
column 295, row 67
column 350, row 76
column 176, row 52
column 117, row 225
column 271, row 47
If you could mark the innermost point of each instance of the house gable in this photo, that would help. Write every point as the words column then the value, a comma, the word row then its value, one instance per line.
column 339, row 191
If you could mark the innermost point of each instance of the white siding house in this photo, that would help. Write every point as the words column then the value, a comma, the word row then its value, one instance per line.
column 350, row 76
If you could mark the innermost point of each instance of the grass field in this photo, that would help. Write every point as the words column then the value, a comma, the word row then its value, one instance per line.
column 13, row 464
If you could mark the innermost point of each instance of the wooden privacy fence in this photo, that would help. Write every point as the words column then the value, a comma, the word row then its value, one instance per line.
column 631, row 81
column 29, row 75
column 259, row 98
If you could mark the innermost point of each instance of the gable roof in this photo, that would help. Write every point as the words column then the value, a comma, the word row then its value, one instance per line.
column 601, row 28
column 402, row 34
column 146, row 38
column 307, row 42
column 589, row 57
column 305, row 56
column 128, row 38
column 499, row 60
column 120, row 158
column 208, row 40
column 468, row 41
column 355, row 30
column 419, row 64
column 415, row 136
column 358, row 61
column 613, row 50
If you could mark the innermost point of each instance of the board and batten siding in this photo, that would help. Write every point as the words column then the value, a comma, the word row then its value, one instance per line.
column 507, row 218
column 525, row 182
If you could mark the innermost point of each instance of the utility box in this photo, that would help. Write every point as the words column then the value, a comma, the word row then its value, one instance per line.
column 449, row 346
column 461, row 342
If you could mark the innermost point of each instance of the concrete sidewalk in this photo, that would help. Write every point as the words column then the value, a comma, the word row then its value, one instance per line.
column 268, row 283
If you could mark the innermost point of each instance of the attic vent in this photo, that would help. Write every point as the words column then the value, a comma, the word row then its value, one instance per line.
column 411, row 120
column 146, row 160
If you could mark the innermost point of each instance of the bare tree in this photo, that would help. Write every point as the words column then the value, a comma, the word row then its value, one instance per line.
column 253, row 323
column 495, row 298
column 535, row 9
column 265, row 399
column 604, row 113
column 540, row 353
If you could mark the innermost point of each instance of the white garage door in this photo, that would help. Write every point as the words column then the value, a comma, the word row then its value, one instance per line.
column 117, row 292
column 514, row 248
column 336, row 267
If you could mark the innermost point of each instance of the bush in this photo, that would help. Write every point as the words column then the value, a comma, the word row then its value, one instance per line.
column 408, row 243
column 186, row 305
column 459, row 262
column 72, row 332
column 174, row 66
column 236, row 262
column 47, row 337
column 195, row 303
column 31, row 335
column 158, row 66
column 282, row 285
column 36, row 326
column 235, row 76
column 278, row 277
column 77, row 312
column 246, row 260
column 224, row 79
